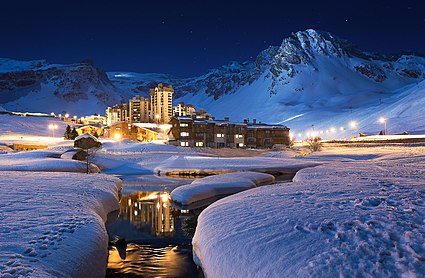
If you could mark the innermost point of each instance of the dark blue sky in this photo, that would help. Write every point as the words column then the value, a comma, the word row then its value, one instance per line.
column 186, row 38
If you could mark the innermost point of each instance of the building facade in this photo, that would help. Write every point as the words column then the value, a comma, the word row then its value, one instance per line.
column 161, row 103
column 139, row 110
column 125, row 130
column 117, row 113
column 183, row 110
column 193, row 132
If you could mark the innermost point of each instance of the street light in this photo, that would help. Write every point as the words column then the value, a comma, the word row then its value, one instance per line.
column 66, row 115
column 353, row 124
column 53, row 127
column 157, row 119
column 382, row 120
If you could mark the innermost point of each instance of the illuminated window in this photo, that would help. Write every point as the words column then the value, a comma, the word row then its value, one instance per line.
column 184, row 134
column 184, row 144
column 220, row 135
column 199, row 144
column 238, row 136
column 184, row 125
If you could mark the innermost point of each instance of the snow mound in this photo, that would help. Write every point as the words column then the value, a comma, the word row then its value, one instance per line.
column 347, row 219
column 224, row 184
column 52, row 224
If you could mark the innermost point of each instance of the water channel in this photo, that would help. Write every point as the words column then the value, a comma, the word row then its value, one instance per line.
column 157, row 235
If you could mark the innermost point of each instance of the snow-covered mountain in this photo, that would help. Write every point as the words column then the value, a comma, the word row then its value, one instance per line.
column 313, row 80
column 38, row 86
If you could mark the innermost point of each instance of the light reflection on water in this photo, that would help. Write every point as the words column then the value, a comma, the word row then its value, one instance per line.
column 156, row 244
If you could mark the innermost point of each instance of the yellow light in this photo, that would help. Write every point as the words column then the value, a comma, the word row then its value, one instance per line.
column 341, row 128
column 75, row 117
column 117, row 136
column 164, row 197
column 353, row 124
column 333, row 129
column 66, row 115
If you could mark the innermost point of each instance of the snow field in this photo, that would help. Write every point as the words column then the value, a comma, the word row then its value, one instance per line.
column 52, row 224
column 360, row 218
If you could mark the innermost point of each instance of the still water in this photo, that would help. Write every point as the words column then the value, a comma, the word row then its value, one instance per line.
column 157, row 238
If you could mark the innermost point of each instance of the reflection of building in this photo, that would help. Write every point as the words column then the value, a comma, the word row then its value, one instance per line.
column 149, row 209
column 139, row 108
column 161, row 103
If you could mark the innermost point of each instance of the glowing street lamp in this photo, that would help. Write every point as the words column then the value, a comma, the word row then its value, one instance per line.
column 157, row 119
column 117, row 136
column 382, row 120
column 53, row 127
column 353, row 125
column 66, row 115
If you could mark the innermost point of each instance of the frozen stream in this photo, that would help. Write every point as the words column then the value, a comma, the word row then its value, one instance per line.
column 157, row 238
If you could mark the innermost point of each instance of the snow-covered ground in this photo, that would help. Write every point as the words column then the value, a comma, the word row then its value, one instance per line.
column 52, row 224
column 360, row 214
column 213, row 186
column 360, row 211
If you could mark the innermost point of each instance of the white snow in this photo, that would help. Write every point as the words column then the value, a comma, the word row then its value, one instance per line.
column 349, row 217
column 217, row 185
column 52, row 224
column 87, row 135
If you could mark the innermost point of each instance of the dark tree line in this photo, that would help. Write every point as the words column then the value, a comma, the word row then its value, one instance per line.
column 70, row 134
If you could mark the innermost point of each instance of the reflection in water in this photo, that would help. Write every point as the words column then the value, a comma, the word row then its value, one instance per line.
column 149, row 209
column 156, row 246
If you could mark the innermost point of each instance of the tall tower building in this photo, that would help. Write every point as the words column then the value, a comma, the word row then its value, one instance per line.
column 139, row 108
column 162, row 103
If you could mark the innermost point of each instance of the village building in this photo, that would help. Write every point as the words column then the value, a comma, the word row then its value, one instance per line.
column 125, row 130
column 194, row 132
column 93, row 129
column 93, row 120
column 260, row 135
column 182, row 110
column 161, row 103
column 139, row 110
column 117, row 113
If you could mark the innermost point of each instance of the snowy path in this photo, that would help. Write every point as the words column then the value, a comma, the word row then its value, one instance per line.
column 52, row 224
column 353, row 218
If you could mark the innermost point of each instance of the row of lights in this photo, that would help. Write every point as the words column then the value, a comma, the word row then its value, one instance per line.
column 352, row 124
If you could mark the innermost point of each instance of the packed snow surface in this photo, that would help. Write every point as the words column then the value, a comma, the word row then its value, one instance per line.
column 52, row 224
column 217, row 185
column 362, row 218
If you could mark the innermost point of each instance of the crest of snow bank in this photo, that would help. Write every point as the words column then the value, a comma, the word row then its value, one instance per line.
column 217, row 185
column 52, row 224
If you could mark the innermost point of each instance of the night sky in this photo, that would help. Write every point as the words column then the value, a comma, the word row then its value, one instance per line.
column 186, row 38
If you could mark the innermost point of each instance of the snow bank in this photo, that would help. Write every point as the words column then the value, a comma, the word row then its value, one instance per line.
column 357, row 218
column 42, row 161
column 217, row 185
column 52, row 224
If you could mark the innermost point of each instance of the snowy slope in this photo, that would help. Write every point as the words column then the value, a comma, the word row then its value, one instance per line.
column 35, row 86
column 314, row 77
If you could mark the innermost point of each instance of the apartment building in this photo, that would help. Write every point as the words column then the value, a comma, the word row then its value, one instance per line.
column 117, row 113
column 139, row 109
column 161, row 103
column 193, row 132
